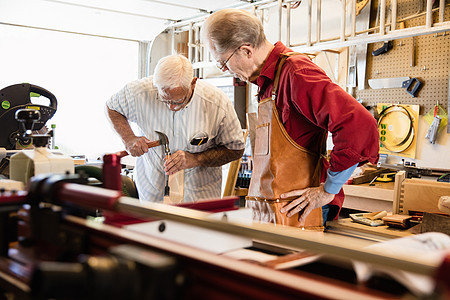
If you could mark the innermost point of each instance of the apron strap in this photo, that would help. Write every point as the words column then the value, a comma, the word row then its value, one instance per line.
column 276, row 82
column 322, row 155
column 323, row 146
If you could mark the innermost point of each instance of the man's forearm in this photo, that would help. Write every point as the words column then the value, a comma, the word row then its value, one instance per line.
column 120, row 124
column 217, row 157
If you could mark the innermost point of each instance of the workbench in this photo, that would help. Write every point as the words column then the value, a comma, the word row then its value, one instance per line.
column 399, row 196
column 373, row 233
column 190, row 271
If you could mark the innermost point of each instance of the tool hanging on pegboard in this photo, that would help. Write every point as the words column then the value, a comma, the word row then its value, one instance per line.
column 437, row 118
column 411, row 85
column 434, row 127
column 387, row 46
column 398, row 126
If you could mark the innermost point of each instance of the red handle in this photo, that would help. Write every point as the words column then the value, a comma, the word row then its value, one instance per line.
column 122, row 153
column 149, row 145
column 153, row 144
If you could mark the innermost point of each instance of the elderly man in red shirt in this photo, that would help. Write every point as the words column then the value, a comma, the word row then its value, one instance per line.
column 298, row 106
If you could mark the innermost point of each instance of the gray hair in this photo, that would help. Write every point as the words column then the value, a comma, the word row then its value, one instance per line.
column 228, row 29
column 173, row 71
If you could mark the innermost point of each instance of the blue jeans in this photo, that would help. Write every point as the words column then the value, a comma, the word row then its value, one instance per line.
column 325, row 211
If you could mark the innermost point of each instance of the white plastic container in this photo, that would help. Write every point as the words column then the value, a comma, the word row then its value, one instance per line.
column 40, row 160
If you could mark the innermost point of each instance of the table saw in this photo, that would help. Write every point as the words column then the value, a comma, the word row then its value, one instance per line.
column 53, row 247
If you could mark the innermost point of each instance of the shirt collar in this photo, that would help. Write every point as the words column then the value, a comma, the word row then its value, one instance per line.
column 269, row 68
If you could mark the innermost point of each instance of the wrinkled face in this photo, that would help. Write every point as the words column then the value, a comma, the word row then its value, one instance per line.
column 176, row 98
column 236, row 62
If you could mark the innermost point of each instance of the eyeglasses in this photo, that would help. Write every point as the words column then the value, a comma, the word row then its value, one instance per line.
column 223, row 65
column 176, row 105
column 172, row 102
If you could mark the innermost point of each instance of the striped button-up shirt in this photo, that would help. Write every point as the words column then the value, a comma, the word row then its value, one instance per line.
column 210, row 113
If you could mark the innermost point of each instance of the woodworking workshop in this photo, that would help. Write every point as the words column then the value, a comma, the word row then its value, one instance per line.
column 228, row 149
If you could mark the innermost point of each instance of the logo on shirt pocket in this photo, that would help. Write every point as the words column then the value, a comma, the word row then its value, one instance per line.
column 199, row 139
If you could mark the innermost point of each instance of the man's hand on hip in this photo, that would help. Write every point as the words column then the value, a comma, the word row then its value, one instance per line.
column 308, row 199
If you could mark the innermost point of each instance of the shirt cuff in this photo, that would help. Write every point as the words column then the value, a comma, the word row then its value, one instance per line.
column 335, row 180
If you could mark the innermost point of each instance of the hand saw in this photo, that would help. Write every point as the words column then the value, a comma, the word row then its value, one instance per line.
column 412, row 85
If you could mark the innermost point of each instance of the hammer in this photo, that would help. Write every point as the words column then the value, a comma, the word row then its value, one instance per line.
column 163, row 141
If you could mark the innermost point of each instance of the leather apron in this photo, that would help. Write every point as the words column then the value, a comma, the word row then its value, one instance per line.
column 280, row 165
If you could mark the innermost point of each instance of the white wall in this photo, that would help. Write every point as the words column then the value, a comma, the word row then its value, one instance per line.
column 81, row 71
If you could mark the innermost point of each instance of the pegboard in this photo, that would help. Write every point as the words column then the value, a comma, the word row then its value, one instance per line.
column 432, row 62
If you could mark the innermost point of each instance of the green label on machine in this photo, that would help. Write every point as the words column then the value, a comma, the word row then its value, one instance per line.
column 6, row 104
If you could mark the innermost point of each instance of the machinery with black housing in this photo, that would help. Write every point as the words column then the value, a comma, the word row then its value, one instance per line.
column 14, row 98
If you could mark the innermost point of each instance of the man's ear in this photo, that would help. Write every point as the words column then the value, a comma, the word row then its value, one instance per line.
column 194, row 81
column 248, row 50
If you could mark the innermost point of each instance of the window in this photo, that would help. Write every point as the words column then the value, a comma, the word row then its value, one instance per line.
column 81, row 71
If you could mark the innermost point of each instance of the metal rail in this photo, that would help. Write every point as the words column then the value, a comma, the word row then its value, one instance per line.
column 295, row 238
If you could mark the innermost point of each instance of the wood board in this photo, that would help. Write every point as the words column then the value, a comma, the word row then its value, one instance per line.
column 378, row 233
column 422, row 195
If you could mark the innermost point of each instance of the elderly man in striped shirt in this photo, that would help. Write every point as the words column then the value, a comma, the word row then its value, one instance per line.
column 198, row 119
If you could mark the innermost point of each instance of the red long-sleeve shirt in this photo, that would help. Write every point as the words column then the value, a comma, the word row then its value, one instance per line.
column 309, row 102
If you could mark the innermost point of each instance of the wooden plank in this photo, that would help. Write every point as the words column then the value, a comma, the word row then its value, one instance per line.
column 423, row 195
column 235, row 165
column 233, row 173
column 366, row 204
column 380, row 191
column 429, row 182
column 399, row 177
column 371, row 232
column 367, row 176
column 240, row 192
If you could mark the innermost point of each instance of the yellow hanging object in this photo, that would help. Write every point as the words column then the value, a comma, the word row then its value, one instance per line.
column 440, row 111
column 386, row 177
column 398, row 125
